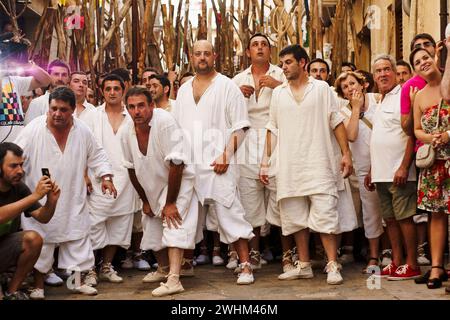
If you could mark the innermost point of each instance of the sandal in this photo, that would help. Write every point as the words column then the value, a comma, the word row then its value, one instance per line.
column 436, row 283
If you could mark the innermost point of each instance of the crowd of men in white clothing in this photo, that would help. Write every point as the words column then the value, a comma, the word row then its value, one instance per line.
column 151, row 168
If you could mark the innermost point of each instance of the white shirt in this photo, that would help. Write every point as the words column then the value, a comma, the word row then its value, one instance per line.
column 307, row 149
column 388, row 142
column 209, row 125
column 361, row 146
column 38, row 107
column 70, row 220
column 258, row 114
column 11, row 112
column 84, row 115
column 152, row 169
column 101, row 204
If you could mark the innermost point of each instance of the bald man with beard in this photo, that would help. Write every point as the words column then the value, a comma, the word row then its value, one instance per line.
column 213, row 105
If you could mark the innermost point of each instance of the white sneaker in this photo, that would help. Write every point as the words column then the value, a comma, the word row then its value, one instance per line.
column 165, row 289
column 288, row 267
column 232, row 261
column 333, row 270
column 302, row 270
column 422, row 259
column 107, row 273
column 255, row 256
column 202, row 259
column 37, row 294
column 127, row 263
column 85, row 289
column 217, row 261
column 91, row 278
column 245, row 278
column 158, row 275
column 386, row 257
column 53, row 280
column 141, row 265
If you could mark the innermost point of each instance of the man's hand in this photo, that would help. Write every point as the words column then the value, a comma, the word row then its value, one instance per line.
column 53, row 195
column 172, row 76
column 368, row 183
column 171, row 215
column 147, row 210
column 269, row 82
column 264, row 174
column 43, row 187
column 401, row 176
column 346, row 165
column 89, row 186
column 108, row 185
column 221, row 164
column 247, row 90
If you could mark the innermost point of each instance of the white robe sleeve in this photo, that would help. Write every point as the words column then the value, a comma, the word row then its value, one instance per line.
column 127, row 156
column 236, row 109
column 272, row 125
column 97, row 159
column 173, row 143
column 333, row 109
column 21, row 84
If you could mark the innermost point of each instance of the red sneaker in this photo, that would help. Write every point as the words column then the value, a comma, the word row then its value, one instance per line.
column 405, row 272
column 388, row 271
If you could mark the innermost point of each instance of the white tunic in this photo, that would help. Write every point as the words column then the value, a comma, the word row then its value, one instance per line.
column 307, row 149
column 165, row 144
column 388, row 142
column 209, row 125
column 84, row 115
column 71, row 218
column 258, row 113
column 101, row 204
column 38, row 107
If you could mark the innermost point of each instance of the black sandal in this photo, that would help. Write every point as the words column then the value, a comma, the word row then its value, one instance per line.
column 436, row 283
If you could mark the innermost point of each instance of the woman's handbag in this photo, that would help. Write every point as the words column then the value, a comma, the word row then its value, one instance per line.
column 426, row 154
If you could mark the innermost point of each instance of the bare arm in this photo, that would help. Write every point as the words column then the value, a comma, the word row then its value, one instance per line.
column 269, row 147
column 407, row 120
column 223, row 161
column 40, row 77
column 140, row 191
column 170, row 211
column 352, row 126
column 418, row 131
column 341, row 137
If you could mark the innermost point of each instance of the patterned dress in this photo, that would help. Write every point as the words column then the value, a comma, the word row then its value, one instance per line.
column 433, row 192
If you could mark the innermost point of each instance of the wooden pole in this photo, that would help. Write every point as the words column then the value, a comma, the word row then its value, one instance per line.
column 134, row 48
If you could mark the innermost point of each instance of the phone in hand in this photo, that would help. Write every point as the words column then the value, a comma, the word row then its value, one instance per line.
column 45, row 172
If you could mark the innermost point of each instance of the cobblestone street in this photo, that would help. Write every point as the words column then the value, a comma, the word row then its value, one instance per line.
column 218, row 283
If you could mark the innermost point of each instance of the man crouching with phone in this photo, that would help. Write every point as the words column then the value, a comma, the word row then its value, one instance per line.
column 20, row 250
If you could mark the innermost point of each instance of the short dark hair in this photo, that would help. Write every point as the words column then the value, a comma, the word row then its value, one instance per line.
column 296, row 50
column 402, row 62
column 318, row 60
column 151, row 69
column 348, row 64
column 9, row 146
column 163, row 80
column 123, row 73
column 77, row 72
column 258, row 34
column 64, row 94
column 413, row 53
column 113, row 77
column 57, row 63
column 137, row 91
column 421, row 36
column 368, row 77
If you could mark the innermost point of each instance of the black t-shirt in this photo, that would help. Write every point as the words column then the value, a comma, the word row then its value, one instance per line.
column 14, row 194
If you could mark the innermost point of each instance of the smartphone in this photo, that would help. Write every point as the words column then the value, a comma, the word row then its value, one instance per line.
column 45, row 172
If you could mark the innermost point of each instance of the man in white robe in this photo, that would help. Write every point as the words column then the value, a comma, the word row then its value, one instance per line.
column 154, row 154
column 66, row 147
column 212, row 111
column 304, row 123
